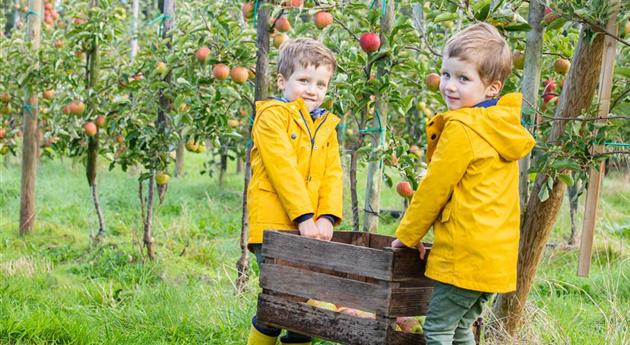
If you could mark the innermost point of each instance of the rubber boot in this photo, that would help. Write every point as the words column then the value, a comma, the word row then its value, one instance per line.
column 258, row 338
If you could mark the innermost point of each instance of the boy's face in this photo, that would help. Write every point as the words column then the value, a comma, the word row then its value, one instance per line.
column 309, row 82
column 462, row 87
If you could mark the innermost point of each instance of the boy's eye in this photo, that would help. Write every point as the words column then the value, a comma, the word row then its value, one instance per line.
column 445, row 74
column 464, row 78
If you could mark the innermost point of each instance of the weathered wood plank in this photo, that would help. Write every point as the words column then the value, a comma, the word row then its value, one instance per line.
column 407, row 265
column 402, row 338
column 410, row 301
column 340, row 257
column 319, row 322
column 325, row 287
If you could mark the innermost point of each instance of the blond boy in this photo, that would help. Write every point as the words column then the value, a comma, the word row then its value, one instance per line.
column 296, row 169
column 470, row 192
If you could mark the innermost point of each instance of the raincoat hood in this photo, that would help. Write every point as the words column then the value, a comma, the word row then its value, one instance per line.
column 499, row 125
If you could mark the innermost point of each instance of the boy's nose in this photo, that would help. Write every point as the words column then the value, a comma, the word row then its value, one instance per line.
column 450, row 85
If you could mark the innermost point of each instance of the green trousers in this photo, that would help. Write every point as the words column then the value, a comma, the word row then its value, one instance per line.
column 452, row 312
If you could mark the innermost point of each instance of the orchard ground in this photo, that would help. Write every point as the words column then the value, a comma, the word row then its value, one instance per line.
column 56, row 288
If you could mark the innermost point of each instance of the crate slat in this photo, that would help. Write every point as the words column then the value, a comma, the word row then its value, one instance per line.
column 410, row 301
column 324, row 287
column 321, row 323
column 401, row 338
column 340, row 257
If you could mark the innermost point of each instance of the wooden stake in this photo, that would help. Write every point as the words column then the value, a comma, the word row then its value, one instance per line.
column 30, row 148
column 595, row 176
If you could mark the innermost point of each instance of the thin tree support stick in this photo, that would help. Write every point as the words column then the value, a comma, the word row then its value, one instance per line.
column 30, row 146
column 262, row 89
column 595, row 176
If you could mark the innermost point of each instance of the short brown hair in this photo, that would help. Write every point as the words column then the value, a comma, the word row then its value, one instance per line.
column 483, row 45
column 305, row 51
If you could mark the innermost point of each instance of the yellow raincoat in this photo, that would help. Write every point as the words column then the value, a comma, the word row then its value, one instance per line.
column 296, row 168
column 470, row 196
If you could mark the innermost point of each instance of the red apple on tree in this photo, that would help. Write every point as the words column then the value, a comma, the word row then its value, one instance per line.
column 370, row 42
column 100, row 121
column 283, row 25
column 550, row 98
column 404, row 189
column 220, row 71
column 239, row 74
column 562, row 66
column 161, row 69
column 550, row 86
column 248, row 10
column 90, row 129
column 550, row 15
column 322, row 19
column 162, row 178
column 518, row 59
column 279, row 38
column 433, row 81
column 5, row 97
column 48, row 94
column 293, row 3
column 233, row 123
column 202, row 54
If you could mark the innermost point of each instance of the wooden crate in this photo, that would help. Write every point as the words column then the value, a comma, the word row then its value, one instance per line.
column 357, row 270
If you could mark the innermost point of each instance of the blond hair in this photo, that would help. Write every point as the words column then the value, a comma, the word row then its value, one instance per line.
column 482, row 45
column 304, row 51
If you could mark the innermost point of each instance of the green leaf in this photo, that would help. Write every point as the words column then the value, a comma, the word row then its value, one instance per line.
column 623, row 71
column 567, row 179
column 481, row 9
column 556, row 23
column 444, row 17
column 543, row 194
column 518, row 27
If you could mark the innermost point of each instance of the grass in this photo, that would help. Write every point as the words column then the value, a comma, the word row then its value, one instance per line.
column 56, row 288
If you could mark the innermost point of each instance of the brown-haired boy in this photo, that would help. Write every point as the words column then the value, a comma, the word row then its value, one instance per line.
column 470, row 191
column 296, row 169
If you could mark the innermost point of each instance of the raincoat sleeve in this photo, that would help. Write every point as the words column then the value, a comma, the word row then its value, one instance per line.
column 448, row 165
column 330, row 190
column 280, row 161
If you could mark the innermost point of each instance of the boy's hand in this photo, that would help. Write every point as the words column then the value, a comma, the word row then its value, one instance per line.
column 325, row 228
column 421, row 250
column 308, row 229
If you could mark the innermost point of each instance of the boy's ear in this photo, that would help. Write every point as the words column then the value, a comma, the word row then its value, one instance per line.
column 280, row 81
column 493, row 90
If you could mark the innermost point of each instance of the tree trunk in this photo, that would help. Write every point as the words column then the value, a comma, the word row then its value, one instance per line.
column 93, row 142
column 135, row 7
column 540, row 216
column 239, row 165
column 10, row 15
column 161, row 123
column 353, row 190
column 375, row 168
column 222, row 166
column 530, row 84
column 179, row 158
column 262, row 90
column 148, row 222
column 30, row 146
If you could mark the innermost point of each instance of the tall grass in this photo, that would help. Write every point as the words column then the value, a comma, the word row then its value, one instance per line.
column 57, row 288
